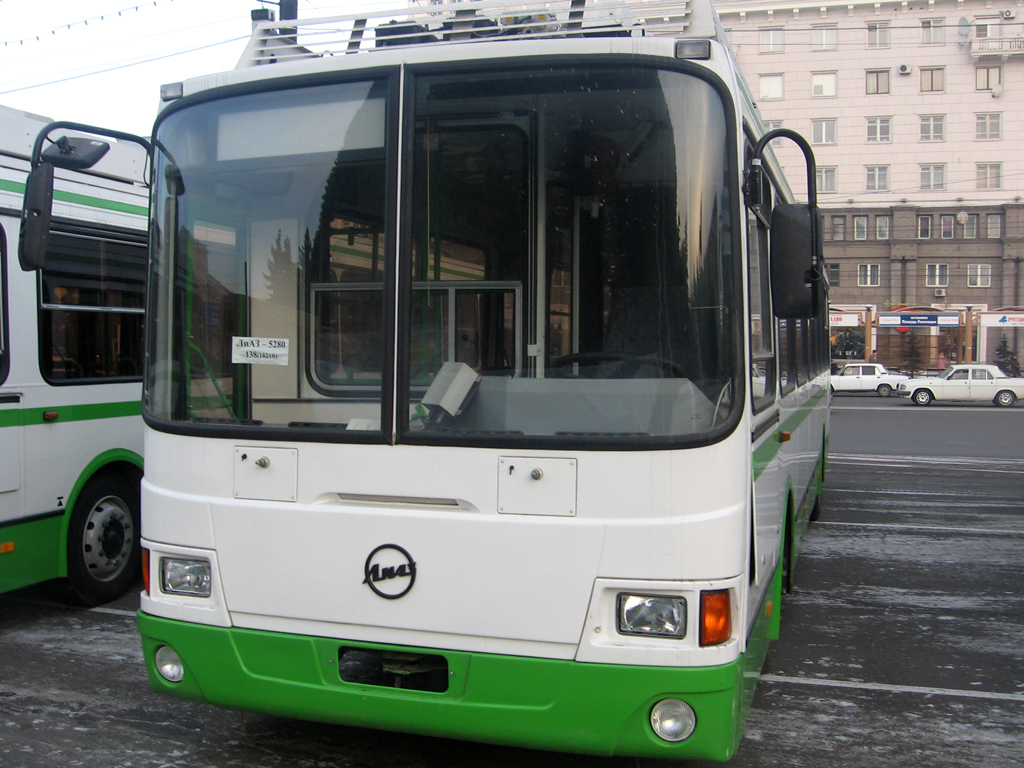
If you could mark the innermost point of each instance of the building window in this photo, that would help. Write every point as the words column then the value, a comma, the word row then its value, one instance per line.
column 936, row 275
column 878, row 34
column 824, row 37
column 869, row 275
column 883, row 224
column 979, row 275
column 933, row 79
column 823, row 131
column 771, row 125
column 876, row 81
column 933, row 127
column 933, row 31
column 838, row 227
column 988, row 125
column 924, row 227
column 825, row 178
column 984, row 29
column 771, row 40
column 971, row 226
column 986, row 77
column 771, row 87
column 990, row 175
column 946, row 227
column 833, row 274
column 860, row 227
column 823, row 84
column 933, row 176
column 994, row 225
column 880, row 129
column 878, row 178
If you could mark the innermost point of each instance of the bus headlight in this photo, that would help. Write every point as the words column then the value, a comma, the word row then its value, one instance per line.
column 179, row 576
column 673, row 720
column 653, row 615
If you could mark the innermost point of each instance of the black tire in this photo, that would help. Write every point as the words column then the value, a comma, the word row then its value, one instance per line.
column 104, row 541
column 884, row 390
column 1006, row 398
column 922, row 397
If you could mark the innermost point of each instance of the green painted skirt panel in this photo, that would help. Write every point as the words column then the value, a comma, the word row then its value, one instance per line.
column 35, row 552
column 600, row 709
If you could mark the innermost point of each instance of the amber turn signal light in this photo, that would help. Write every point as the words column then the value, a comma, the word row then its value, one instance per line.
column 715, row 617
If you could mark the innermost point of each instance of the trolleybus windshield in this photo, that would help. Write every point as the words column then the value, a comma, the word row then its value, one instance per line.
column 535, row 254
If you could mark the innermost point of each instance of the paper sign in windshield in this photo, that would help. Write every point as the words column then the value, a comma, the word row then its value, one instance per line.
column 254, row 350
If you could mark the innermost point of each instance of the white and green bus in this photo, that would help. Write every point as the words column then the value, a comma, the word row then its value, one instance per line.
column 71, row 352
column 486, row 382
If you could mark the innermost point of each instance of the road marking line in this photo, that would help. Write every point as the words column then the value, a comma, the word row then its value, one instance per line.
column 66, row 606
column 944, row 528
column 113, row 611
column 1008, row 466
column 888, row 688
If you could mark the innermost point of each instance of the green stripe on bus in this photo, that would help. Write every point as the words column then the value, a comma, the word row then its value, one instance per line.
column 6, row 185
column 98, row 202
column 22, row 417
column 767, row 451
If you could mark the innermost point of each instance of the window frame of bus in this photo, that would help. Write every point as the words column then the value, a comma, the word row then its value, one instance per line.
column 45, row 310
column 736, row 217
column 391, row 75
column 395, row 385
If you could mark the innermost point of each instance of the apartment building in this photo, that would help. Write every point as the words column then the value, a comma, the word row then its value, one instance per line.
column 915, row 109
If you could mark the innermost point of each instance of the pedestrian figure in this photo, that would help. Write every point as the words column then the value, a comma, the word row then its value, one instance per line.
column 1014, row 366
column 874, row 356
column 942, row 362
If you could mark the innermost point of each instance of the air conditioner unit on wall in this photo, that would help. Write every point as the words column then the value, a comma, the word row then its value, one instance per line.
column 1009, row 13
column 940, row 293
column 904, row 69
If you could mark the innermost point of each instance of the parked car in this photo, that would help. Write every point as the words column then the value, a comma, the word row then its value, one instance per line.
column 965, row 382
column 866, row 377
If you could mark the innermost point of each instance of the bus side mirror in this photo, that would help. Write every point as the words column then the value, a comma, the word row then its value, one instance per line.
column 795, row 273
column 35, row 218
column 75, row 153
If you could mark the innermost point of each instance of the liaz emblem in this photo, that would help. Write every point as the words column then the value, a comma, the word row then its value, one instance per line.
column 390, row 571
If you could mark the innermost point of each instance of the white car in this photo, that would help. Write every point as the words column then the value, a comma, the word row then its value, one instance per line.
column 965, row 382
column 867, row 377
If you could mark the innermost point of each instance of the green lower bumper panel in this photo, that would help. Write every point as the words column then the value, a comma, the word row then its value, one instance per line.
column 567, row 706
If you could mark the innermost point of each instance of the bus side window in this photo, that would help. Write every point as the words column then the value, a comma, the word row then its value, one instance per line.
column 92, row 308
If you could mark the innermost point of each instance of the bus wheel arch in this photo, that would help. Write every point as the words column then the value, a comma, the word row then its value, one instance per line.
column 104, row 542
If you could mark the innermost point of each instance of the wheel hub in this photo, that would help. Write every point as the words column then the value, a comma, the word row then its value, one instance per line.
column 108, row 538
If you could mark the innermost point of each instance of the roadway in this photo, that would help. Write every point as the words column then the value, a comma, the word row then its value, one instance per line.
column 901, row 643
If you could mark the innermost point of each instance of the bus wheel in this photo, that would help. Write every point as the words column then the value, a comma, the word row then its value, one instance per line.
column 104, row 545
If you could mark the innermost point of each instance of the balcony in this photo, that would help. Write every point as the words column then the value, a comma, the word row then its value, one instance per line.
column 1003, row 47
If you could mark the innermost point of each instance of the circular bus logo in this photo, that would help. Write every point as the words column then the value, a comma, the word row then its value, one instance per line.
column 390, row 571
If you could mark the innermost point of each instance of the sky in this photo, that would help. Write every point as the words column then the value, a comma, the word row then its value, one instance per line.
column 102, row 62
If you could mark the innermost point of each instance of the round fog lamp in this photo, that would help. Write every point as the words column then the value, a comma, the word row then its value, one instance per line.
column 168, row 664
column 673, row 720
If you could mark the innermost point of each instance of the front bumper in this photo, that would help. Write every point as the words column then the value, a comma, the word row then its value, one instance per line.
column 568, row 706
